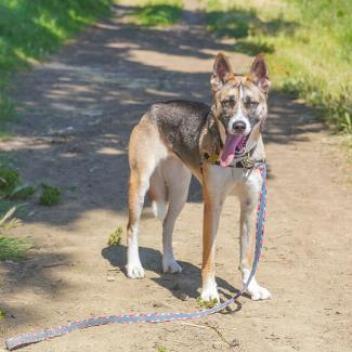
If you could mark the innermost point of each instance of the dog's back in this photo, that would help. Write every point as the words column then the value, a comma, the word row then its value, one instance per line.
column 179, row 123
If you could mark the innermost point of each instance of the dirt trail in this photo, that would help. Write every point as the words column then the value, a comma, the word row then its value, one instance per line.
column 79, row 109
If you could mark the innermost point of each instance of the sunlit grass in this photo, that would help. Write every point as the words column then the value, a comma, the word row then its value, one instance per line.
column 308, row 45
column 157, row 12
column 12, row 248
column 29, row 30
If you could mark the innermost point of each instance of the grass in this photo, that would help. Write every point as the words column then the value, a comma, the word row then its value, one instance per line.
column 50, row 195
column 161, row 349
column 2, row 314
column 308, row 45
column 206, row 304
column 152, row 13
column 11, row 248
column 30, row 30
column 115, row 237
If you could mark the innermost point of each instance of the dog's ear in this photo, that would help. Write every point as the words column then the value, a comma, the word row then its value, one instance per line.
column 260, row 74
column 221, row 71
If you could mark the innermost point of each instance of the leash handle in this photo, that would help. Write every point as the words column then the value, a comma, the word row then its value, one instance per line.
column 29, row 338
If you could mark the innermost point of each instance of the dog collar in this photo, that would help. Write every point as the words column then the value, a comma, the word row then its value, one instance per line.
column 242, row 162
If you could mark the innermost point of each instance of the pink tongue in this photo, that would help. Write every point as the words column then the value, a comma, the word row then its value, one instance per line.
column 229, row 150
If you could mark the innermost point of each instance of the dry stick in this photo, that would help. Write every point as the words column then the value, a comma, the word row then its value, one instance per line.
column 207, row 326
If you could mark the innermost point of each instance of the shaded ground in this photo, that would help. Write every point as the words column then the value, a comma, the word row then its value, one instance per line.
column 79, row 109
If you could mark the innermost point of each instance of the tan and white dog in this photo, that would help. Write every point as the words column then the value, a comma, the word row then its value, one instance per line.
column 219, row 145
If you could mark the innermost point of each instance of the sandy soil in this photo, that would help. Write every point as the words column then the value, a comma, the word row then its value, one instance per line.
column 79, row 108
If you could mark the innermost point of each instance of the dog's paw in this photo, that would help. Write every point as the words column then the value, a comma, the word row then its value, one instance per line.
column 257, row 292
column 171, row 266
column 135, row 271
column 210, row 292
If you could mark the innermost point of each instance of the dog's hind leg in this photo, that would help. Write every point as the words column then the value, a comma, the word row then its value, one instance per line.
column 138, row 186
column 145, row 153
column 249, row 195
column 177, row 179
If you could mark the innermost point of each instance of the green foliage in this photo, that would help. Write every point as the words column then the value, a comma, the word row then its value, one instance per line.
column 162, row 349
column 50, row 195
column 32, row 29
column 308, row 46
column 12, row 248
column 115, row 237
column 11, row 186
column 9, row 180
column 22, row 192
column 158, row 13
column 2, row 314
column 207, row 304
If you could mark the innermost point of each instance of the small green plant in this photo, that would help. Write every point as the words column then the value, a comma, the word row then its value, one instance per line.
column 207, row 304
column 9, row 180
column 12, row 248
column 115, row 237
column 2, row 314
column 161, row 349
column 50, row 195
column 22, row 192
column 11, row 186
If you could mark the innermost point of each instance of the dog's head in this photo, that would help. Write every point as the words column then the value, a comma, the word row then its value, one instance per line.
column 239, row 103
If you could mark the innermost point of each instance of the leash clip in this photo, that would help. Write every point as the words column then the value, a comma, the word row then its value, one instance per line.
column 247, row 162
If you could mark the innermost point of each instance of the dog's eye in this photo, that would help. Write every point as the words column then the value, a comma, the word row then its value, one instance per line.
column 229, row 103
column 251, row 104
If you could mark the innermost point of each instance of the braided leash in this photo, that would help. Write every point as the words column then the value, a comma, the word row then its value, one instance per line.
column 29, row 338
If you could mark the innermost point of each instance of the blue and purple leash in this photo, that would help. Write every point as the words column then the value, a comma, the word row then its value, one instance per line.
column 19, row 341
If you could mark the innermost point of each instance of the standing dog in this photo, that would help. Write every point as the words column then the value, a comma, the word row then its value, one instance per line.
column 220, row 145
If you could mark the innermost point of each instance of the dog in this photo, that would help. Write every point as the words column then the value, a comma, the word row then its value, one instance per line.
column 220, row 145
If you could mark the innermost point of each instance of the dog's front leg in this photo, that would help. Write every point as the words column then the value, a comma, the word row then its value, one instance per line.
column 249, row 197
column 214, row 195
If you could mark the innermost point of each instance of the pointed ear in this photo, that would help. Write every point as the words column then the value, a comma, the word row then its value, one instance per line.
column 221, row 71
column 260, row 74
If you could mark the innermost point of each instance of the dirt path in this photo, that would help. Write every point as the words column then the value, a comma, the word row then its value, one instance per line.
column 79, row 109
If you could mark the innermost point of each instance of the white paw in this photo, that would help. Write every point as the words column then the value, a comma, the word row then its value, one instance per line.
column 257, row 292
column 135, row 271
column 254, row 289
column 171, row 266
column 210, row 292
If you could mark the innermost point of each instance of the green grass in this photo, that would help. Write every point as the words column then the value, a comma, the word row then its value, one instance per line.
column 2, row 314
column 308, row 45
column 11, row 186
column 30, row 30
column 50, row 195
column 9, row 180
column 115, row 237
column 157, row 13
column 12, row 248
column 161, row 349
column 206, row 304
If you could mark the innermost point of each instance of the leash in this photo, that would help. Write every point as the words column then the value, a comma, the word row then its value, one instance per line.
column 29, row 338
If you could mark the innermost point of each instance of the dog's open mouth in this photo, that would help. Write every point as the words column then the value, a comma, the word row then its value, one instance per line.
column 234, row 144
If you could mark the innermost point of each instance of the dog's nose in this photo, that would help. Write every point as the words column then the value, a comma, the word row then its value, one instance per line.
column 239, row 126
